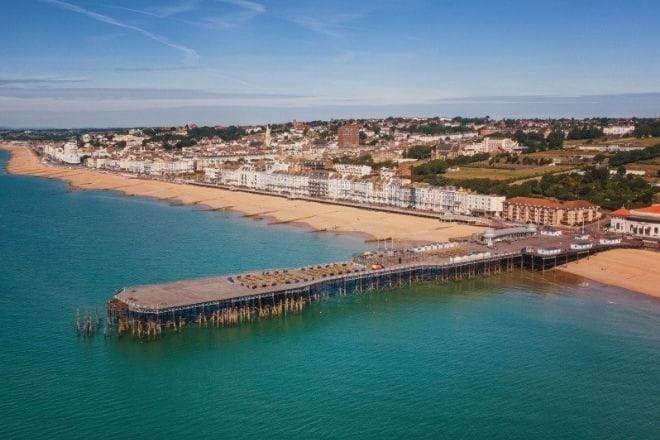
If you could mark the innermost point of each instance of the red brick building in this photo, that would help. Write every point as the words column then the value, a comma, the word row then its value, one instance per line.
column 348, row 136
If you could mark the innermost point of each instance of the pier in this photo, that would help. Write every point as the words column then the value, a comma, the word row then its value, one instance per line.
column 147, row 311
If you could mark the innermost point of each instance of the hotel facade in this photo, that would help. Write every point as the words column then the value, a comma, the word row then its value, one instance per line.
column 550, row 212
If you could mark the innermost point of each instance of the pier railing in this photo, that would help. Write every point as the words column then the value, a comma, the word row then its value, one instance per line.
column 416, row 272
column 280, row 299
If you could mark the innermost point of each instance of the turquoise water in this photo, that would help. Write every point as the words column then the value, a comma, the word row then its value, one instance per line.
column 507, row 357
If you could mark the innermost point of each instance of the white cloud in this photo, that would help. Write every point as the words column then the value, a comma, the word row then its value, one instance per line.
column 314, row 25
column 166, row 11
column 163, row 11
column 329, row 25
column 247, row 11
column 246, row 4
column 190, row 54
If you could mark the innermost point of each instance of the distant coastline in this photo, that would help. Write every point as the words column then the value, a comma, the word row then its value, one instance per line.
column 319, row 217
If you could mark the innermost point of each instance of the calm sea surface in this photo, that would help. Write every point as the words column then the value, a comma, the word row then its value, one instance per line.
column 507, row 357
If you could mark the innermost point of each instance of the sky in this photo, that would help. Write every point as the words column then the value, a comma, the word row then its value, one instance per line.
column 103, row 63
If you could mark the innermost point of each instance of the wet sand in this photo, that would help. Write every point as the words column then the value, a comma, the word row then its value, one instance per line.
column 318, row 216
column 633, row 269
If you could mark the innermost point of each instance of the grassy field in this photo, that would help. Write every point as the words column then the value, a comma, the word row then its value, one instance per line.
column 555, row 154
column 651, row 166
column 654, row 161
column 503, row 174
column 633, row 141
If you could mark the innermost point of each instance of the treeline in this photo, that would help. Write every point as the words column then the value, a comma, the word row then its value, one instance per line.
column 419, row 152
column 535, row 141
column 585, row 132
column 464, row 160
column 624, row 157
column 171, row 141
column 478, row 121
column 433, row 128
column 364, row 159
column 230, row 133
column 57, row 136
column 427, row 172
column 519, row 159
column 596, row 185
column 645, row 128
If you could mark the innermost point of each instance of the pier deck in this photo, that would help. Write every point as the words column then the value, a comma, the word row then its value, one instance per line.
column 372, row 269
column 221, row 288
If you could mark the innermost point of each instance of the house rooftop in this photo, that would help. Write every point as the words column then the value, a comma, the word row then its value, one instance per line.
column 549, row 203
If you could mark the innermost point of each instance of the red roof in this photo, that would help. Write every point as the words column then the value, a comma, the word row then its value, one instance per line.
column 653, row 209
column 533, row 201
column 549, row 203
column 576, row 204
column 623, row 212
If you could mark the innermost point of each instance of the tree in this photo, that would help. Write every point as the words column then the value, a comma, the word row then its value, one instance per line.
column 555, row 140
column 418, row 152
column 647, row 128
column 596, row 185
column 534, row 141
column 624, row 157
column 585, row 132
column 430, row 168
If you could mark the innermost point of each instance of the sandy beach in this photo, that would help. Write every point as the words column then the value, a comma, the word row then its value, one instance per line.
column 318, row 216
column 632, row 269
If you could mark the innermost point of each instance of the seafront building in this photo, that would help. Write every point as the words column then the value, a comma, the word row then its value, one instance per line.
column 67, row 153
column 640, row 222
column 352, row 170
column 550, row 212
column 157, row 167
column 338, row 160
column 390, row 191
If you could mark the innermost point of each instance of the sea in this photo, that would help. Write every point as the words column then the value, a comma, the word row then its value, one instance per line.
column 519, row 355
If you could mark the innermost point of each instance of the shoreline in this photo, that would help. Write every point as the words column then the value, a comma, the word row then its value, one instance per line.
column 318, row 217
column 635, row 270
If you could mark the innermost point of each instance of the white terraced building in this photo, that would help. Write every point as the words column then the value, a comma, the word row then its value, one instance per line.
column 392, row 191
column 143, row 166
column 352, row 170
column 447, row 199
column 618, row 130
column 490, row 145
column 67, row 153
